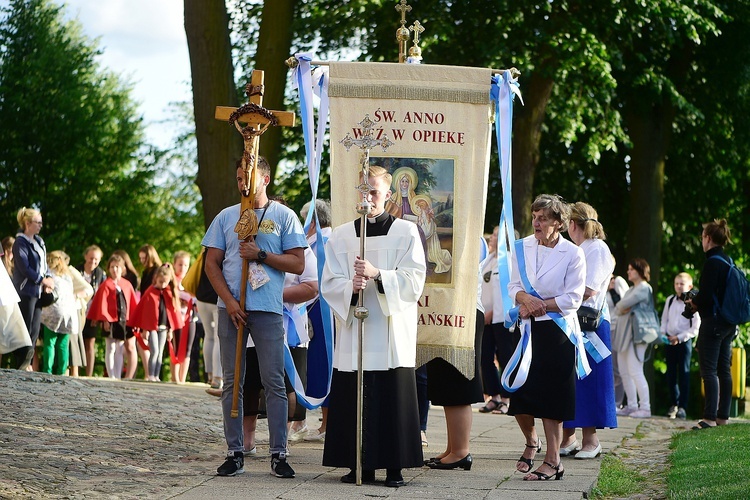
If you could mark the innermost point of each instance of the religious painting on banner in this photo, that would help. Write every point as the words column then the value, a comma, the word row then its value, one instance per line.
column 423, row 194
column 438, row 121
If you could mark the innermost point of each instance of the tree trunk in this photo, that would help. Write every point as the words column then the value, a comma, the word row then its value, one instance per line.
column 212, row 71
column 527, row 132
column 274, row 44
column 650, row 128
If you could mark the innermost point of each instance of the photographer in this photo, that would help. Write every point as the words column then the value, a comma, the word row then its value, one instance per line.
column 715, row 335
column 678, row 327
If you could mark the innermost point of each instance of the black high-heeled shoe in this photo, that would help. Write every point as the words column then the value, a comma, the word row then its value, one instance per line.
column 464, row 463
column 541, row 476
column 530, row 461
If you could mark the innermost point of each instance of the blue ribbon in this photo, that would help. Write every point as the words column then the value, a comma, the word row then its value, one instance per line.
column 582, row 364
column 502, row 92
column 303, row 79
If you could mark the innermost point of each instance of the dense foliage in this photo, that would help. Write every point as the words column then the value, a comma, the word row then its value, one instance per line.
column 71, row 144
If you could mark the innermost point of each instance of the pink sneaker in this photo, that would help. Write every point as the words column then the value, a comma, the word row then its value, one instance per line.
column 641, row 414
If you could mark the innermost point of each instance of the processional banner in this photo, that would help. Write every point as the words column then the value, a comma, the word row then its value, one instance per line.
column 438, row 119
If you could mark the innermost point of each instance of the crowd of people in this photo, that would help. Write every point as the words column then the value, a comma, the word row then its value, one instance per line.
column 69, row 310
column 566, row 354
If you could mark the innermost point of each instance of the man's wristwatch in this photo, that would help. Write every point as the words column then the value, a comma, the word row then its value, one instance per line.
column 262, row 255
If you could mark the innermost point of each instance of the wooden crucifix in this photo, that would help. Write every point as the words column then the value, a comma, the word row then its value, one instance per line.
column 257, row 119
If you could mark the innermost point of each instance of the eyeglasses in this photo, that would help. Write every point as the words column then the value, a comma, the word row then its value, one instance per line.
column 38, row 222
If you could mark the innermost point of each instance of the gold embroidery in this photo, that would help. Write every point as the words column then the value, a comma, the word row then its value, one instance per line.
column 267, row 227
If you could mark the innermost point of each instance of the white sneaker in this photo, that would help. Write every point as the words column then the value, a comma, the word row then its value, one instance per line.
column 641, row 414
column 315, row 436
column 625, row 411
column 296, row 436
column 672, row 413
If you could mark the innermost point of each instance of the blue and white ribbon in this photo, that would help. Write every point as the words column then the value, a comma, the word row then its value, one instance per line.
column 311, row 83
column 521, row 360
column 502, row 92
column 295, row 321
column 596, row 347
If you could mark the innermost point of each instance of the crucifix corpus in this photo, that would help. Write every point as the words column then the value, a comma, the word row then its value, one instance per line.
column 365, row 143
column 256, row 120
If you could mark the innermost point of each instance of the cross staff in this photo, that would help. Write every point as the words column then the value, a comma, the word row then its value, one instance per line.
column 365, row 143
column 257, row 119
column 402, row 33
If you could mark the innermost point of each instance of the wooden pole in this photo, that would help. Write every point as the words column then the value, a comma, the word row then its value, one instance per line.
column 247, row 204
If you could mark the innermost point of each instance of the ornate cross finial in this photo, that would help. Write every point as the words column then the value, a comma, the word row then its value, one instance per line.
column 403, row 8
column 366, row 142
column 415, row 53
column 417, row 29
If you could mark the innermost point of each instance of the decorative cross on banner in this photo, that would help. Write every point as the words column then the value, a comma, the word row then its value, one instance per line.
column 256, row 119
column 415, row 53
column 402, row 33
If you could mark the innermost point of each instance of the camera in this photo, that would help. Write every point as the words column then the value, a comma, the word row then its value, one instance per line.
column 689, row 295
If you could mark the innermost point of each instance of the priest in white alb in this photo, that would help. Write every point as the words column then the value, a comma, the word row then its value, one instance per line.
column 392, row 275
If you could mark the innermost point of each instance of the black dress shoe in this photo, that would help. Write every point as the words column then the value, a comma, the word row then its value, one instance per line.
column 431, row 461
column 464, row 463
column 368, row 476
column 394, row 479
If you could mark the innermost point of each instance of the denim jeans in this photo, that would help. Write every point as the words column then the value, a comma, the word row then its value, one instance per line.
column 678, row 372
column 267, row 330
column 715, row 359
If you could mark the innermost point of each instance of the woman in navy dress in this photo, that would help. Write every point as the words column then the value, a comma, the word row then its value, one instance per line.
column 595, row 394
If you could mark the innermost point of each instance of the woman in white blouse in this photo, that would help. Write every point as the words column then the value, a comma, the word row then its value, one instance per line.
column 547, row 285
column 595, row 393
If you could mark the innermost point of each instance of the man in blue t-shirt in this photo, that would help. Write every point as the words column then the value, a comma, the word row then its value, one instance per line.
column 276, row 249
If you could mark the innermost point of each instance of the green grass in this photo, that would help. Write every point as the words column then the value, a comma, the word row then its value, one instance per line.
column 616, row 479
column 711, row 463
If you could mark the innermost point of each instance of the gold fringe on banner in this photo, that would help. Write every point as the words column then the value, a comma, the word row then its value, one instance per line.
column 380, row 91
column 461, row 358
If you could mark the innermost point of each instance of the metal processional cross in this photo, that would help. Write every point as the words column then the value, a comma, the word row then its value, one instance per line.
column 366, row 142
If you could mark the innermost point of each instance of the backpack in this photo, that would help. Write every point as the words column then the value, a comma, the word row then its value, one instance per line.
column 735, row 309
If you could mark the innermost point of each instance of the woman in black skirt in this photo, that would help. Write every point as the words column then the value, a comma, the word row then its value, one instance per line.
column 547, row 285
column 449, row 388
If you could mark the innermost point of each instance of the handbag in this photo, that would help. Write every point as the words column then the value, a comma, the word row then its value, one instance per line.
column 645, row 322
column 589, row 318
column 48, row 298
column 193, row 275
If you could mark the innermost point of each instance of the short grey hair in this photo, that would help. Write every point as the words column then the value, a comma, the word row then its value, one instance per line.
column 323, row 209
column 554, row 206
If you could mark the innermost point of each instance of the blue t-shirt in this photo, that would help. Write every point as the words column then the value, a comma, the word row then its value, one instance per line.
column 279, row 230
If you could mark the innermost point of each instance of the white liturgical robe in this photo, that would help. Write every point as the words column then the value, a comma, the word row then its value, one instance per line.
column 390, row 330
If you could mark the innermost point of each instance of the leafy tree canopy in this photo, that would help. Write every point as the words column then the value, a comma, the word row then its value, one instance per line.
column 71, row 144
